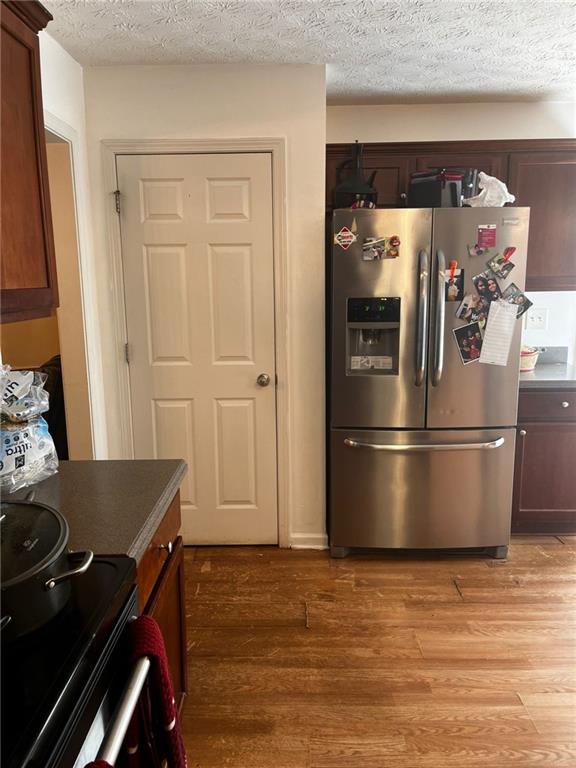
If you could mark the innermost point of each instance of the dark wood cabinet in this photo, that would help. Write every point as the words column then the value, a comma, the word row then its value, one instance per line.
column 491, row 163
column 546, row 182
column 28, row 271
column 391, row 180
column 544, row 477
column 541, row 173
column 160, row 579
column 168, row 608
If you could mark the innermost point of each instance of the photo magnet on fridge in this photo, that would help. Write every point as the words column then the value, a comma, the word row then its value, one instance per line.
column 376, row 248
column 514, row 295
column 473, row 309
column 487, row 285
column 454, row 285
column 500, row 265
column 469, row 341
column 475, row 250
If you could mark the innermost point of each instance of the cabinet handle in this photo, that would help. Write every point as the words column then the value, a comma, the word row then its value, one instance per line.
column 565, row 404
column 522, row 433
column 168, row 547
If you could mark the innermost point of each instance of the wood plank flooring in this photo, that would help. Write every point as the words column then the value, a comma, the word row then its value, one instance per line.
column 299, row 661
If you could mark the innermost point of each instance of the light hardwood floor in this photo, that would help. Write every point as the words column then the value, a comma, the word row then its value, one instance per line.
column 299, row 661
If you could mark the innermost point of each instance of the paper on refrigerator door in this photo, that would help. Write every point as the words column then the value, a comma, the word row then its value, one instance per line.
column 498, row 333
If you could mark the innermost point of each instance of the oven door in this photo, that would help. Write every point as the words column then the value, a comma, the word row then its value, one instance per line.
column 80, row 741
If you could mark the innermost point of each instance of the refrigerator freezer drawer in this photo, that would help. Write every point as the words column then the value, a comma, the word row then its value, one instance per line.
column 421, row 489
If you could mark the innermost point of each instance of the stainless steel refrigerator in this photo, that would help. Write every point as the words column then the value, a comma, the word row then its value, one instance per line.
column 421, row 445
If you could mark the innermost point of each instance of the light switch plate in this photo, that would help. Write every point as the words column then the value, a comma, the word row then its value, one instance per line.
column 537, row 319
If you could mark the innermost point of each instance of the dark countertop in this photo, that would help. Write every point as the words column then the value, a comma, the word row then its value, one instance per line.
column 550, row 376
column 112, row 507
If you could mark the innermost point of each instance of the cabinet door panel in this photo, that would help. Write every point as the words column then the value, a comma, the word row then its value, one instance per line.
column 333, row 162
column 391, row 180
column 158, row 553
column 167, row 607
column 546, row 181
column 28, row 271
column 493, row 165
column 545, row 481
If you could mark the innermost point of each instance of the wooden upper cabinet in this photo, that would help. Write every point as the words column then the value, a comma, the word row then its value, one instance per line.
column 28, row 269
column 392, row 177
column 540, row 172
column 391, row 180
column 492, row 164
column 546, row 182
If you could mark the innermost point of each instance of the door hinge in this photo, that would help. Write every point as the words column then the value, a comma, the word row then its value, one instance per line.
column 117, row 200
column 127, row 352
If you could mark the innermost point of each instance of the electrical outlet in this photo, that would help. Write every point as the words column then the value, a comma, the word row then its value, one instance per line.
column 537, row 319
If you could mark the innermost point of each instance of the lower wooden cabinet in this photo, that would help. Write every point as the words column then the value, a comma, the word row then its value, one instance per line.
column 545, row 471
column 160, row 579
column 167, row 606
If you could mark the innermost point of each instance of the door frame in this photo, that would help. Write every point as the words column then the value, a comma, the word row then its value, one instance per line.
column 276, row 148
column 91, row 361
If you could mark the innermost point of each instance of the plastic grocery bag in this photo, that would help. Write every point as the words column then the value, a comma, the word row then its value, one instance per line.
column 27, row 452
column 493, row 193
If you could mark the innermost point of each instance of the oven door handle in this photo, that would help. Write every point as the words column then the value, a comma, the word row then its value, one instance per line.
column 421, row 447
column 112, row 744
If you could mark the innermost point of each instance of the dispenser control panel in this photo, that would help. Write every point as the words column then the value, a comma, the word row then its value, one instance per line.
column 373, row 336
column 384, row 309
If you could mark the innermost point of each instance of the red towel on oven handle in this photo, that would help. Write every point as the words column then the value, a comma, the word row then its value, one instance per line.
column 145, row 638
column 98, row 764
column 155, row 725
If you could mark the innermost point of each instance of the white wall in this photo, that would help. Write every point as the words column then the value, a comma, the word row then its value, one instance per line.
column 560, row 329
column 232, row 101
column 62, row 83
column 64, row 112
column 451, row 122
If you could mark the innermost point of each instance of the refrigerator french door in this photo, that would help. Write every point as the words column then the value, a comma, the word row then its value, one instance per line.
column 421, row 446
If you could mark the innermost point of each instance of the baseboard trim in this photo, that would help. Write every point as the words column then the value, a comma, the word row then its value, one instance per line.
column 308, row 541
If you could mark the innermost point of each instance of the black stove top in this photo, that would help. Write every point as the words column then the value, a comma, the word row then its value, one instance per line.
column 48, row 675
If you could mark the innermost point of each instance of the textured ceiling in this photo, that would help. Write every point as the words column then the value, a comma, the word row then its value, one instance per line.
column 377, row 51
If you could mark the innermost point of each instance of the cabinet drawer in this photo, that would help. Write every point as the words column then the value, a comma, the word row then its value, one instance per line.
column 158, row 551
column 551, row 405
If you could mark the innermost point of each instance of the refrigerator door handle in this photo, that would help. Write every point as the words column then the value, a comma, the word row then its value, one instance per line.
column 422, row 447
column 439, row 319
column 423, row 278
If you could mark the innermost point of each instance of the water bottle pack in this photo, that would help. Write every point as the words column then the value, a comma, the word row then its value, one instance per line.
column 27, row 452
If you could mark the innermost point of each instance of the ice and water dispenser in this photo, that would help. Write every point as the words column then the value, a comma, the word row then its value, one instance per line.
column 373, row 336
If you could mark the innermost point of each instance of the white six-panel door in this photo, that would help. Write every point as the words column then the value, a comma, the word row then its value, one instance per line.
column 197, row 254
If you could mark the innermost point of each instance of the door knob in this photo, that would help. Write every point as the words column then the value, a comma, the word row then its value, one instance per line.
column 263, row 380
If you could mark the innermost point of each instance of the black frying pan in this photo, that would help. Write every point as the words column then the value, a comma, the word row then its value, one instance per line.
column 36, row 566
